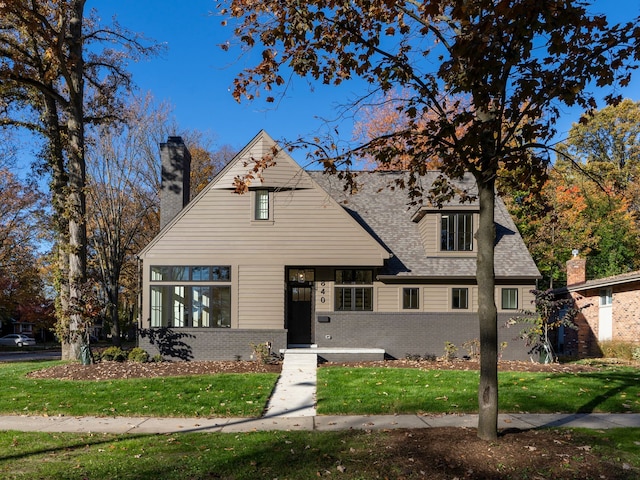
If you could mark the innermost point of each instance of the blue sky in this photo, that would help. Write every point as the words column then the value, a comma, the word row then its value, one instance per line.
column 196, row 76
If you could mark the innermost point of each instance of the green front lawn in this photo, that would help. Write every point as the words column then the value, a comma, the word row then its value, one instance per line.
column 359, row 391
column 341, row 390
column 221, row 395
column 347, row 455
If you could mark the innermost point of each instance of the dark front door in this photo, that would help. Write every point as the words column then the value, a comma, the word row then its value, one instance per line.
column 299, row 296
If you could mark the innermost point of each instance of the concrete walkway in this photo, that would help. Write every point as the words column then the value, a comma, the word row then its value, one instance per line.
column 292, row 407
column 295, row 392
column 144, row 425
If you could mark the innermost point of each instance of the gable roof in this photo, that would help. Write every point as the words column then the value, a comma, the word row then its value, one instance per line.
column 206, row 223
column 385, row 212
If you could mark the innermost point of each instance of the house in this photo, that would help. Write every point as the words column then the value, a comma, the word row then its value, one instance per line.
column 610, row 309
column 297, row 262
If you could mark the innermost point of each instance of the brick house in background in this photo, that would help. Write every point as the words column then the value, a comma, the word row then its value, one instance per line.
column 297, row 262
column 610, row 309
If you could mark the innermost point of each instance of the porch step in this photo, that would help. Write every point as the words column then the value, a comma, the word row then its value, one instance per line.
column 337, row 354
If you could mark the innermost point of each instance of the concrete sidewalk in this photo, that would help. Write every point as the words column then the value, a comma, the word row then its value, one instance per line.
column 144, row 425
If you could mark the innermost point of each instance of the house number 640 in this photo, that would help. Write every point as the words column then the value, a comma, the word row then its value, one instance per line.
column 322, row 292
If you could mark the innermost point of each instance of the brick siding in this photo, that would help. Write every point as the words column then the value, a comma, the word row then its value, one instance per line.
column 625, row 312
column 201, row 344
column 400, row 334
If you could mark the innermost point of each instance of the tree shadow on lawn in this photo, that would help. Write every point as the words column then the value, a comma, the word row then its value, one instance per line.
column 613, row 392
column 621, row 382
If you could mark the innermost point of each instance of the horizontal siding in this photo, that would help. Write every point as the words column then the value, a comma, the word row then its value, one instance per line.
column 528, row 298
column 278, row 175
column 261, row 292
column 436, row 298
column 388, row 298
column 428, row 228
column 219, row 226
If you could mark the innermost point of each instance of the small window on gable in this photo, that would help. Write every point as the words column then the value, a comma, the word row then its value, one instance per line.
column 460, row 298
column 509, row 299
column 606, row 296
column 410, row 298
column 261, row 205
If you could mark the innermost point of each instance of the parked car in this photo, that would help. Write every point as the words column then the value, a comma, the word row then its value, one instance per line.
column 16, row 340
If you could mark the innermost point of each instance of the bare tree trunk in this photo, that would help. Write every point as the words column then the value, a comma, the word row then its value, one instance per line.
column 487, row 312
column 77, row 181
column 114, row 307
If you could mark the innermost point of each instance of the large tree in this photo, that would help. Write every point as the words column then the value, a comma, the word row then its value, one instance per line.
column 514, row 62
column 571, row 211
column 123, row 206
column 607, row 147
column 59, row 72
column 21, row 288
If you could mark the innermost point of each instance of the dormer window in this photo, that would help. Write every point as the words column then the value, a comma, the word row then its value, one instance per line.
column 456, row 232
column 261, row 205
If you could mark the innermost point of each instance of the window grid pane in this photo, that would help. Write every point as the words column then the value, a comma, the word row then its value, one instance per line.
column 183, row 305
column 456, row 232
column 262, row 205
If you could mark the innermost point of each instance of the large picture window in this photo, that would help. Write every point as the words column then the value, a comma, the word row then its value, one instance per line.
column 194, row 305
column 456, row 232
column 354, row 290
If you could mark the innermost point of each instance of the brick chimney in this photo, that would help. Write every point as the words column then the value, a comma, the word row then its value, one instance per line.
column 176, row 169
column 576, row 270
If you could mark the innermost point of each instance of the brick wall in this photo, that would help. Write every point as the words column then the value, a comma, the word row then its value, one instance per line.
column 625, row 312
column 210, row 344
column 400, row 334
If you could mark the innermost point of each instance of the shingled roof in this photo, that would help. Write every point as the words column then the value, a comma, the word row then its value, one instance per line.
column 385, row 212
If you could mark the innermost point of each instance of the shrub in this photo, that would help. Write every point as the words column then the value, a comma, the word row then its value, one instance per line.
column 261, row 351
column 636, row 354
column 115, row 354
column 427, row 357
column 617, row 349
column 473, row 348
column 139, row 355
column 157, row 358
column 449, row 351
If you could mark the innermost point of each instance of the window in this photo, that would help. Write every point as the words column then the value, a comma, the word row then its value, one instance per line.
column 460, row 298
column 261, row 205
column 183, row 305
column 509, row 298
column 606, row 297
column 456, row 232
column 350, row 294
column 193, row 274
column 410, row 298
